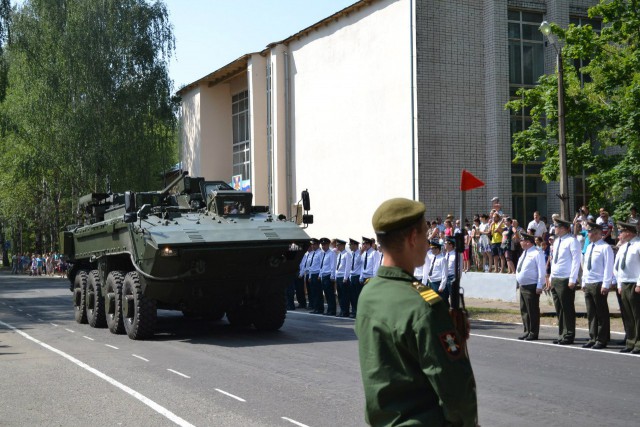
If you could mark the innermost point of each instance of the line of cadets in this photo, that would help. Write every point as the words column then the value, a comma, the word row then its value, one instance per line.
column 327, row 262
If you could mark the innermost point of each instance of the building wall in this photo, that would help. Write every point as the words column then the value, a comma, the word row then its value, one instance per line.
column 215, row 124
column 351, row 109
column 190, row 132
column 258, row 127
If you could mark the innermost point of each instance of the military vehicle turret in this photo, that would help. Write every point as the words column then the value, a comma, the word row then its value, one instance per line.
column 197, row 246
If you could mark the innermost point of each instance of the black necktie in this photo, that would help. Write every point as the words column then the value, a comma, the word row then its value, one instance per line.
column 524, row 255
column 353, row 261
column 322, row 262
column 312, row 256
column 555, row 258
column 365, row 260
column 433, row 262
column 590, row 255
column 339, row 259
column 624, row 257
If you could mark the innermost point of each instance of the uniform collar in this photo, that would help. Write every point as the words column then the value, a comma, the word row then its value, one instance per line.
column 395, row 273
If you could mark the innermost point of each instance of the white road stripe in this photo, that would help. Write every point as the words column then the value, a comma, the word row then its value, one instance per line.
column 89, row 338
column 29, row 315
column 230, row 395
column 19, row 309
column 4, row 303
column 70, row 330
column 150, row 403
column 294, row 422
column 140, row 357
column 54, row 324
column 178, row 373
column 112, row 346
column 40, row 320
column 10, row 306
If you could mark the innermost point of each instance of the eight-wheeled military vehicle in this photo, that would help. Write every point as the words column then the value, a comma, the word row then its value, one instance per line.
column 197, row 246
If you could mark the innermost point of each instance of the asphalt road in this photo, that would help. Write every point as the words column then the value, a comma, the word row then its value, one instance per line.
column 55, row 372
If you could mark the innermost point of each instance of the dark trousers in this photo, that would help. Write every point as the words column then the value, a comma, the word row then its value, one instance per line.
column 631, row 304
column 597, row 313
column 434, row 285
column 354, row 292
column 315, row 293
column 564, row 302
column 447, row 289
column 623, row 313
column 300, row 295
column 329, row 294
column 343, row 295
column 290, row 292
column 530, row 310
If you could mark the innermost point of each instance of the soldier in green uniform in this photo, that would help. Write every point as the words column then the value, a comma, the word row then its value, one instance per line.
column 414, row 369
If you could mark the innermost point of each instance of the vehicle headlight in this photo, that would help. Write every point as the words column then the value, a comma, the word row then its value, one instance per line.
column 167, row 251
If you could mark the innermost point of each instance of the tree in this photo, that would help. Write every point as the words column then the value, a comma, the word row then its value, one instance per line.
column 602, row 116
column 88, row 97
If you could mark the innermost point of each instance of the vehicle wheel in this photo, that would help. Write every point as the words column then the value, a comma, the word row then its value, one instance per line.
column 270, row 314
column 95, row 301
column 79, row 296
column 113, row 302
column 139, row 314
column 239, row 317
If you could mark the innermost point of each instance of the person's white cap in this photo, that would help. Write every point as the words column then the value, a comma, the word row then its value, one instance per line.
column 495, row 198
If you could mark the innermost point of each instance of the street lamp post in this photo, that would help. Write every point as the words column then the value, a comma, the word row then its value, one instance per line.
column 545, row 28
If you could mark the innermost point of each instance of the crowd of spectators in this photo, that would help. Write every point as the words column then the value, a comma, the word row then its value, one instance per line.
column 48, row 264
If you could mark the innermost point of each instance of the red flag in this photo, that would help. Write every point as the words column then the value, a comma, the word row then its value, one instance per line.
column 469, row 182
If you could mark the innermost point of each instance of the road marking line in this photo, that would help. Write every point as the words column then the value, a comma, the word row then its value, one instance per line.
column 542, row 326
column 294, row 422
column 572, row 347
column 140, row 357
column 89, row 338
column 40, row 320
column 10, row 306
column 150, row 403
column 4, row 303
column 19, row 309
column 54, row 324
column 230, row 395
column 178, row 373
column 70, row 330
column 112, row 346
column 29, row 315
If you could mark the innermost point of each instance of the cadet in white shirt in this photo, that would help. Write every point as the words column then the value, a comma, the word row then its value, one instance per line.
column 354, row 265
column 342, row 267
column 537, row 225
column 327, row 274
column 597, row 274
column 627, row 272
column 315, row 287
column 435, row 268
column 368, row 260
column 298, row 285
column 565, row 265
column 378, row 255
column 450, row 258
column 530, row 277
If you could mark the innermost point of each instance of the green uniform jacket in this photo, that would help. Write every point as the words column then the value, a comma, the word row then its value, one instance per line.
column 413, row 370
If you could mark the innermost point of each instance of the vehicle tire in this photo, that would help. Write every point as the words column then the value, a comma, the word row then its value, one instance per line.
column 95, row 301
column 139, row 314
column 270, row 314
column 239, row 317
column 115, row 279
column 79, row 296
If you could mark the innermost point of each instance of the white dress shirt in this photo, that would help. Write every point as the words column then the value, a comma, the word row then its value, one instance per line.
column 539, row 227
column 569, row 255
column 341, row 265
column 630, row 251
column 439, row 271
column 450, row 261
column 601, row 270
column 354, row 263
column 377, row 256
column 303, row 264
column 328, row 263
column 368, row 263
column 313, row 266
column 531, row 268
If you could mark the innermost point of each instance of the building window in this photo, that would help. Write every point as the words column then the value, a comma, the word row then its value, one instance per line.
column 526, row 65
column 579, row 63
column 241, row 135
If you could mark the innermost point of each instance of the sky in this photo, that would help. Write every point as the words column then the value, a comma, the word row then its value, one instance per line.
column 212, row 33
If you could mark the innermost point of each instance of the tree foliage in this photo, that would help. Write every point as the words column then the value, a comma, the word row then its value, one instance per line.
column 602, row 116
column 87, row 97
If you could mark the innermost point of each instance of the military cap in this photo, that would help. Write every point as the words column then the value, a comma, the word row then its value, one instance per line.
column 324, row 241
column 450, row 239
column 625, row 226
column 353, row 242
column 395, row 214
column 559, row 222
column 529, row 237
column 341, row 242
column 314, row 241
column 495, row 199
column 435, row 243
column 367, row 240
column 593, row 226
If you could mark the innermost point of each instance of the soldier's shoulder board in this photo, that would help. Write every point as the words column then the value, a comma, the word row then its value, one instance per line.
column 428, row 294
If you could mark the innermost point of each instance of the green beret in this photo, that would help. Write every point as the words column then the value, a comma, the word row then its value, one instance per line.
column 395, row 214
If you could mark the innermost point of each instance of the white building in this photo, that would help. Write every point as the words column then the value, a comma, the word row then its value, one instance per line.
column 386, row 98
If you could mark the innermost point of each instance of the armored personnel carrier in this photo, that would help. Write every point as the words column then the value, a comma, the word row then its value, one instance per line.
column 197, row 246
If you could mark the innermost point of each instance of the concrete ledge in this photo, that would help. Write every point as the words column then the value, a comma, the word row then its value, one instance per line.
column 490, row 286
